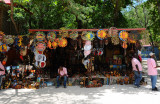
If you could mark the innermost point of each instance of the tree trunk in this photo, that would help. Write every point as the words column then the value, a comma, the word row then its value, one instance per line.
column 158, row 4
column 116, row 13
column 12, row 11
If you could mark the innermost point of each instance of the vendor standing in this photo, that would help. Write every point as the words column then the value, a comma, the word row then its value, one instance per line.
column 62, row 73
column 2, row 73
column 137, row 68
column 152, row 71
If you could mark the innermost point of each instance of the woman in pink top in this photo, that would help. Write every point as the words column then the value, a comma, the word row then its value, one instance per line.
column 62, row 73
column 2, row 73
column 137, row 68
column 152, row 71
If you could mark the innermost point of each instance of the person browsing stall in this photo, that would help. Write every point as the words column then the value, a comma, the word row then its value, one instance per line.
column 137, row 68
column 62, row 73
column 152, row 71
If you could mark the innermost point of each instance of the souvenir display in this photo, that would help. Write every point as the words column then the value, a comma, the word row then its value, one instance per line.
column 62, row 42
column 112, row 32
column 73, row 35
column 92, row 61
column 40, row 36
column 51, row 36
column 101, row 34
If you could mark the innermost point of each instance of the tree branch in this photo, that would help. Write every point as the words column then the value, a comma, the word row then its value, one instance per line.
column 138, row 16
column 11, row 16
column 146, row 23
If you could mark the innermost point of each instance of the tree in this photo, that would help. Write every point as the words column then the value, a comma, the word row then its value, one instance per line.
column 54, row 14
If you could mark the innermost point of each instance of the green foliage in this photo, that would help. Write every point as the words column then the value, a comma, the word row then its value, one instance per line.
column 54, row 14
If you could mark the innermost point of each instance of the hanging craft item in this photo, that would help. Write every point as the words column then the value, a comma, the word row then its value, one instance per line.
column 8, row 39
column 90, row 36
column 73, row 35
column 52, row 45
column 87, row 52
column 112, row 32
column 62, row 42
column 124, row 45
column 131, row 41
column 3, row 48
column 115, row 40
column 83, row 36
column 40, row 47
column 40, row 36
column 51, row 36
column 63, row 32
column 123, row 35
column 1, row 35
column 135, row 35
column 87, row 42
column 42, row 64
column 19, row 41
column 40, row 60
column 101, row 34
column 87, row 48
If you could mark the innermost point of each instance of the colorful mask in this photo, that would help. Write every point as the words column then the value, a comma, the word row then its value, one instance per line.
column 3, row 48
column 73, row 35
column 113, row 32
column 90, row 36
column 101, row 34
column 51, row 36
column 63, row 32
column 40, row 36
column 123, row 35
column 62, row 42
column 40, row 46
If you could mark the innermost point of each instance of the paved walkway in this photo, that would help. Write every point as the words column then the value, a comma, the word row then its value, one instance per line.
column 112, row 94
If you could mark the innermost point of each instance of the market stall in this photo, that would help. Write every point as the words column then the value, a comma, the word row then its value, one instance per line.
column 93, row 57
